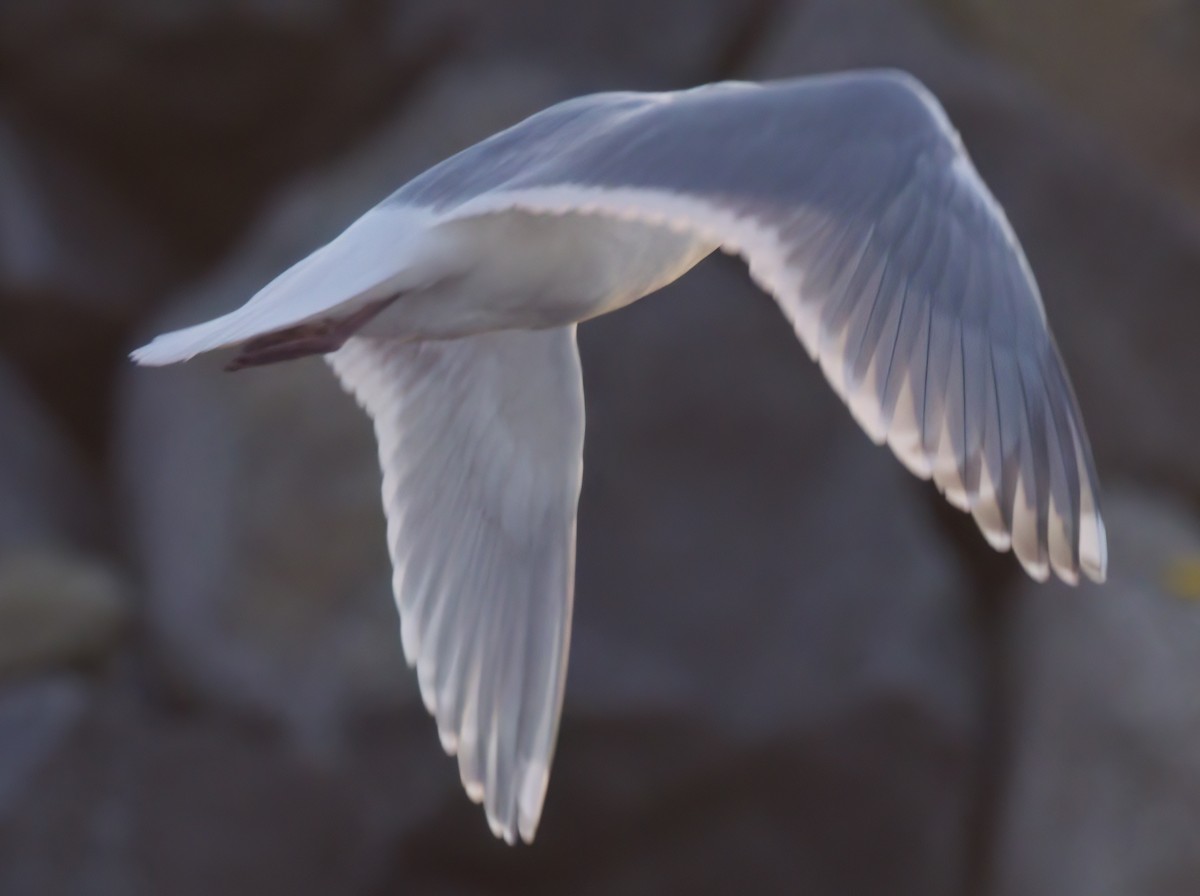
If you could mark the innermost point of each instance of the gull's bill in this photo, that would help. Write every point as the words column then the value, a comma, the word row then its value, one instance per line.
column 449, row 311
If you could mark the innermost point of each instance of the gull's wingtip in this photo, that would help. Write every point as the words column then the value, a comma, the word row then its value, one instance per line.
column 185, row 344
column 1096, row 567
column 157, row 353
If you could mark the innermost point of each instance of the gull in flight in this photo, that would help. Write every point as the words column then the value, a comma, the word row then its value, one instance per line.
column 449, row 312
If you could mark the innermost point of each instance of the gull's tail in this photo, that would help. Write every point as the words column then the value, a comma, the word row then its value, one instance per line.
column 372, row 261
column 182, row 345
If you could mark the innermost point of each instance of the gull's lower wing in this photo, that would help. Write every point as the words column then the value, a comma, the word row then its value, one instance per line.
column 856, row 206
column 481, row 444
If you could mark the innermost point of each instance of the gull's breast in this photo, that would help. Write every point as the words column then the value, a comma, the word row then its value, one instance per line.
column 520, row 270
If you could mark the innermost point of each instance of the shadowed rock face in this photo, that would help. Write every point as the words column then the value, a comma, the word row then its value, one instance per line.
column 792, row 670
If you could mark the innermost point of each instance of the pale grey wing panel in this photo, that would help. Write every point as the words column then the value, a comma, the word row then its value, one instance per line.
column 925, row 318
column 854, row 203
column 481, row 442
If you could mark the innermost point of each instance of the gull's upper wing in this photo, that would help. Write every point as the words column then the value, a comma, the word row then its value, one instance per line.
column 481, row 444
column 856, row 206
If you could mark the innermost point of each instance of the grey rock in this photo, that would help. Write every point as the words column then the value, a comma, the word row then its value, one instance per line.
column 1102, row 791
column 105, row 794
column 58, row 609
column 36, row 718
column 1116, row 259
column 216, row 809
column 255, row 498
column 56, row 759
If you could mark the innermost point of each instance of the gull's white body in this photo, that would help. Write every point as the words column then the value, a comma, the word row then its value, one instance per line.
column 854, row 204
column 530, row 271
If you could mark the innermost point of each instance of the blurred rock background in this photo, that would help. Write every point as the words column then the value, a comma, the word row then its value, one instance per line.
column 793, row 669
